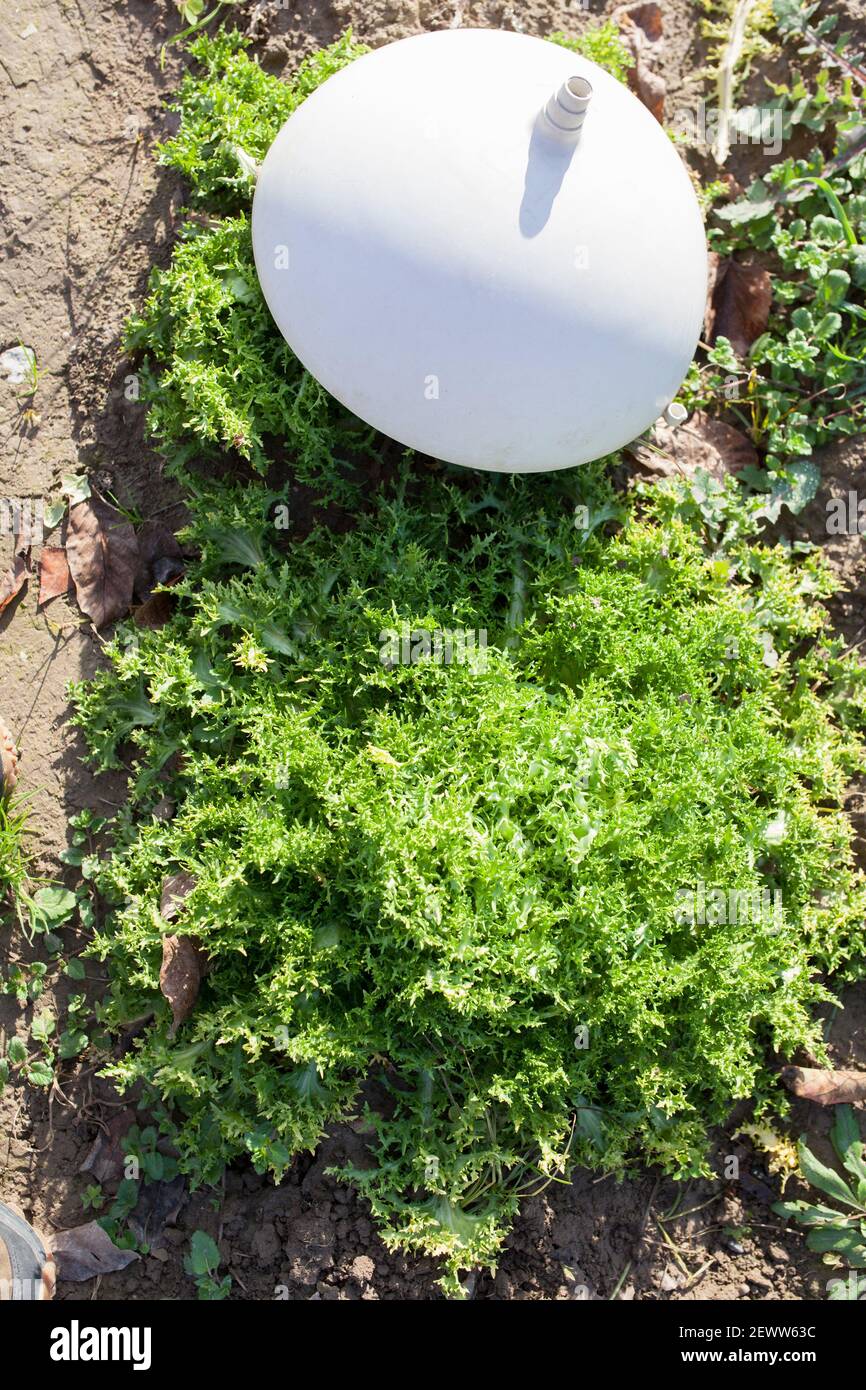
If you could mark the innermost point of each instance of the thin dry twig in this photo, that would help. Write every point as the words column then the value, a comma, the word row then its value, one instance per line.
column 673, row 1249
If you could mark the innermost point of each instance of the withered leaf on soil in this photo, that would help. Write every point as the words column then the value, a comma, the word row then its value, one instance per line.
column 740, row 304
column 702, row 442
column 86, row 1251
column 105, row 1157
column 13, row 581
column 54, row 576
column 160, row 559
column 155, row 612
column 755, row 1187
column 716, row 267
column 826, row 1087
column 175, row 891
column 650, row 88
column 8, row 762
column 647, row 15
column 641, row 28
column 24, row 534
column 180, row 977
column 103, row 557
column 158, row 1206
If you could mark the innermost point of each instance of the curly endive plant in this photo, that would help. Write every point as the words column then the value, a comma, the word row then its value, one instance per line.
column 496, row 889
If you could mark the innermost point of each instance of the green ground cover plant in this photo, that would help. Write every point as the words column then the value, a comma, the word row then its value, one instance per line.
column 837, row 1232
column 465, row 881
column 203, row 1262
column 803, row 382
column 216, row 373
column 14, row 863
column 602, row 44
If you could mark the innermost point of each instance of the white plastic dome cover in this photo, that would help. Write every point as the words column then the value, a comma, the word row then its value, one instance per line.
column 478, row 281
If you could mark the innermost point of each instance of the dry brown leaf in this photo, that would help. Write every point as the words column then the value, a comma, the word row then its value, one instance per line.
column 647, row 17
column 160, row 559
column 13, row 581
column 86, row 1251
column 158, row 1206
column 103, row 557
column 716, row 267
column 105, row 1157
column 826, row 1087
column 735, row 189
column 641, row 28
column 180, row 977
column 175, row 891
column 54, row 576
column 8, row 762
column 740, row 304
column 702, row 442
column 650, row 88
column 24, row 536
column 155, row 612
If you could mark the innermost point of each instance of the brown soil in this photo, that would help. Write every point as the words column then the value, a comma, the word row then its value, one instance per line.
column 86, row 213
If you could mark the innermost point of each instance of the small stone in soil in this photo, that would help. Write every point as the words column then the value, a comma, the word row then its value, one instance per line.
column 17, row 364
column 362, row 1268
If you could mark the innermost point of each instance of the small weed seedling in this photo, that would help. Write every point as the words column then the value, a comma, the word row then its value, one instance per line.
column 802, row 383
column 203, row 1263
column 837, row 1232
column 14, row 869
